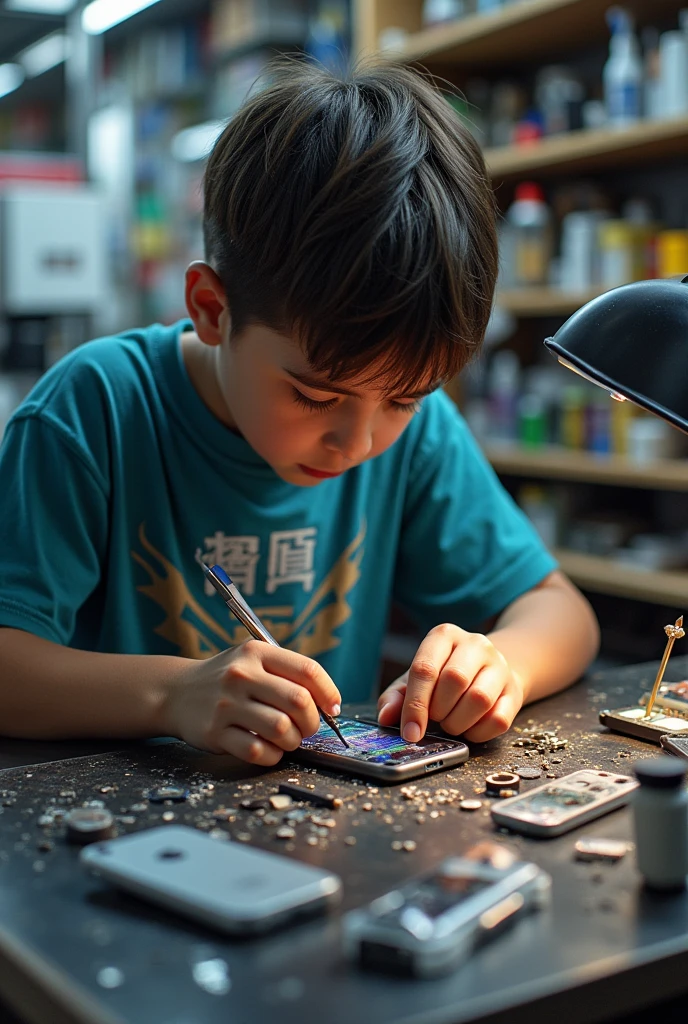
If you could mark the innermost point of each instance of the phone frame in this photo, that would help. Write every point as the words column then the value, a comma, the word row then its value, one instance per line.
column 436, row 761
column 578, row 816
column 636, row 727
column 377, row 943
column 668, row 742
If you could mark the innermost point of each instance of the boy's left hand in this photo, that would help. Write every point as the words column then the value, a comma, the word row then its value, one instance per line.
column 458, row 679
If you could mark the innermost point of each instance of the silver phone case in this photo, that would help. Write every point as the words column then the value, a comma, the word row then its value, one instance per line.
column 437, row 761
column 429, row 947
column 232, row 887
column 511, row 814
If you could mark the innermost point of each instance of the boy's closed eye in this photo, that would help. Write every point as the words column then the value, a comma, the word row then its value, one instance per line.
column 323, row 405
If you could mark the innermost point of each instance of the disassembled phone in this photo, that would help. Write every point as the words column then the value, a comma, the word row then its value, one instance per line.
column 430, row 925
column 635, row 721
column 379, row 752
column 559, row 806
column 671, row 695
column 675, row 745
column 232, row 887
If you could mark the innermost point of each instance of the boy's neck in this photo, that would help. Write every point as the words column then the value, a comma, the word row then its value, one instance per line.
column 199, row 361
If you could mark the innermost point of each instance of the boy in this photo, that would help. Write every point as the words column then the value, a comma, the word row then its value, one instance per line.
column 295, row 431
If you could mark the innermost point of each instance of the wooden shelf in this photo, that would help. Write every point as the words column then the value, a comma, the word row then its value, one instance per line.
column 543, row 301
column 556, row 463
column 591, row 150
column 519, row 32
column 603, row 576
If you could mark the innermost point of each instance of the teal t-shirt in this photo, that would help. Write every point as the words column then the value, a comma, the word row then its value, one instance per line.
column 113, row 472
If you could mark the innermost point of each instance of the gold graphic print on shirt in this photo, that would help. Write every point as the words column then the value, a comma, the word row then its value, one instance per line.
column 197, row 634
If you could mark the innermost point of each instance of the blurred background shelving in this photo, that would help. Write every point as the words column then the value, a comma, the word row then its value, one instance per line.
column 588, row 201
column 121, row 119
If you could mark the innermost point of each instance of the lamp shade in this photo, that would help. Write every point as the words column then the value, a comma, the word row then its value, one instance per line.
column 633, row 341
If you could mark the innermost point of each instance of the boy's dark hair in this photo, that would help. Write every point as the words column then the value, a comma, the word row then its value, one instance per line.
column 356, row 215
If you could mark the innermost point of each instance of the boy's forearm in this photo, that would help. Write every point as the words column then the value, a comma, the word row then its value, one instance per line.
column 52, row 692
column 549, row 636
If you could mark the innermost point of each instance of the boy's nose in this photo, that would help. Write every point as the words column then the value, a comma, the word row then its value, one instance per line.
column 354, row 441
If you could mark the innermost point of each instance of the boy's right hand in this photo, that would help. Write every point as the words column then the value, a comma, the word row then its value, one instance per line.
column 254, row 701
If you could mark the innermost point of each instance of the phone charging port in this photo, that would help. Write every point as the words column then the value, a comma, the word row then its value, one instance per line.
column 433, row 764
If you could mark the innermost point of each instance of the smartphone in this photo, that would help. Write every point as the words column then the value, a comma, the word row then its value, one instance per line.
column 379, row 752
column 675, row 745
column 559, row 806
column 234, row 888
column 429, row 926
column 633, row 722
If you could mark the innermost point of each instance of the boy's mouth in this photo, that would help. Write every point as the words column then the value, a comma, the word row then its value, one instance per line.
column 318, row 473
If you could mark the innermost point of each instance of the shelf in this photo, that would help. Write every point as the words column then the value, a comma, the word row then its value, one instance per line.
column 588, row 150
column 564, row 464
column 543, row 301
column 603, row 576
column 515, row 33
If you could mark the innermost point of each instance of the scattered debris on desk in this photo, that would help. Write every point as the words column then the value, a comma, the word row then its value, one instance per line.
column 89, row 825
column 611, row 850
column 176, row 794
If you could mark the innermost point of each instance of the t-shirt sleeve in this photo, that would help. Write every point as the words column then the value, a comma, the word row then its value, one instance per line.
column 54, row 514
column 466, row 551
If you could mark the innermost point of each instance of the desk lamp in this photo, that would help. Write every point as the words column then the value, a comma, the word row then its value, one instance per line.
column 633, row 342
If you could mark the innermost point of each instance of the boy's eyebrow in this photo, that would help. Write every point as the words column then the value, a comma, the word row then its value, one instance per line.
column 309, row 381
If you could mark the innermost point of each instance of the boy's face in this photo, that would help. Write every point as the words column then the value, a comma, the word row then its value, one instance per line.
column 307, row 428
column 260, row 383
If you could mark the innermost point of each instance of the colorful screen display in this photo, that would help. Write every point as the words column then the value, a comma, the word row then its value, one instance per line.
column 372, row 743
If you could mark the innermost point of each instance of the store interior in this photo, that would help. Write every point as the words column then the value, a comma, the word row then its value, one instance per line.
column 108, row 109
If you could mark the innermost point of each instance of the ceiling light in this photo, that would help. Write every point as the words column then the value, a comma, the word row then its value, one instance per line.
column 40, row 6
column 11, row 77
column 100, row 15
column 45, row 54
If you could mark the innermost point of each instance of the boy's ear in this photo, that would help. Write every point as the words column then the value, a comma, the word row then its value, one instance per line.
column 206, row 303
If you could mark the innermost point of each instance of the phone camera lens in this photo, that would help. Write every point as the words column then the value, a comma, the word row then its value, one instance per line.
column 170, row 854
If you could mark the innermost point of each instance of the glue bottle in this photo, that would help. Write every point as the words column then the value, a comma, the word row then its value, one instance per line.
column 660, row 813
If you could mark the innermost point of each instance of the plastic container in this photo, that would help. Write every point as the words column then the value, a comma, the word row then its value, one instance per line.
column 618, row 253
column 660, row 817
column 580, row 250
column 622, row 76
column 572, row 421
column 532, row 421
column 649, row 439
column 530, row 220
column 673, row 74
column 672, row 253
column 541, row 511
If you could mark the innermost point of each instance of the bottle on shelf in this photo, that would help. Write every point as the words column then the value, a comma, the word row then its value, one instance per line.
column 530, row 222
column 623, row 71
column 502, row 388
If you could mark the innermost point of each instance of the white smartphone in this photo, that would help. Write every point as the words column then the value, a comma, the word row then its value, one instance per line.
column 559, row 806
column 379, row 752
column 234, row 888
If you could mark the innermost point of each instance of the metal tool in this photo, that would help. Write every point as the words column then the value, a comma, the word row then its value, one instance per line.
column 673, row 633
column 249, row 620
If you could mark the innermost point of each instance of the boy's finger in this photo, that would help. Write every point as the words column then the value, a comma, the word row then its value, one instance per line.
column 422, row 677
column 269, row 723
column 478, row 700
column 291, row 698
column 459, row 671
column 249, row 747
column 497, row 721
column 391, row 702
column 305, row 672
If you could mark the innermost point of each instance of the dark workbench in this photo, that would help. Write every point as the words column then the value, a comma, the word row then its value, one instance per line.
column 605, row 948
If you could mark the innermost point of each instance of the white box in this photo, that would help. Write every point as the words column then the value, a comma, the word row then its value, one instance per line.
column 52, row 249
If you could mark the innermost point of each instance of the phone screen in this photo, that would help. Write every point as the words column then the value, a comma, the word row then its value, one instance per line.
column 435, row 895
column 372, row 743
